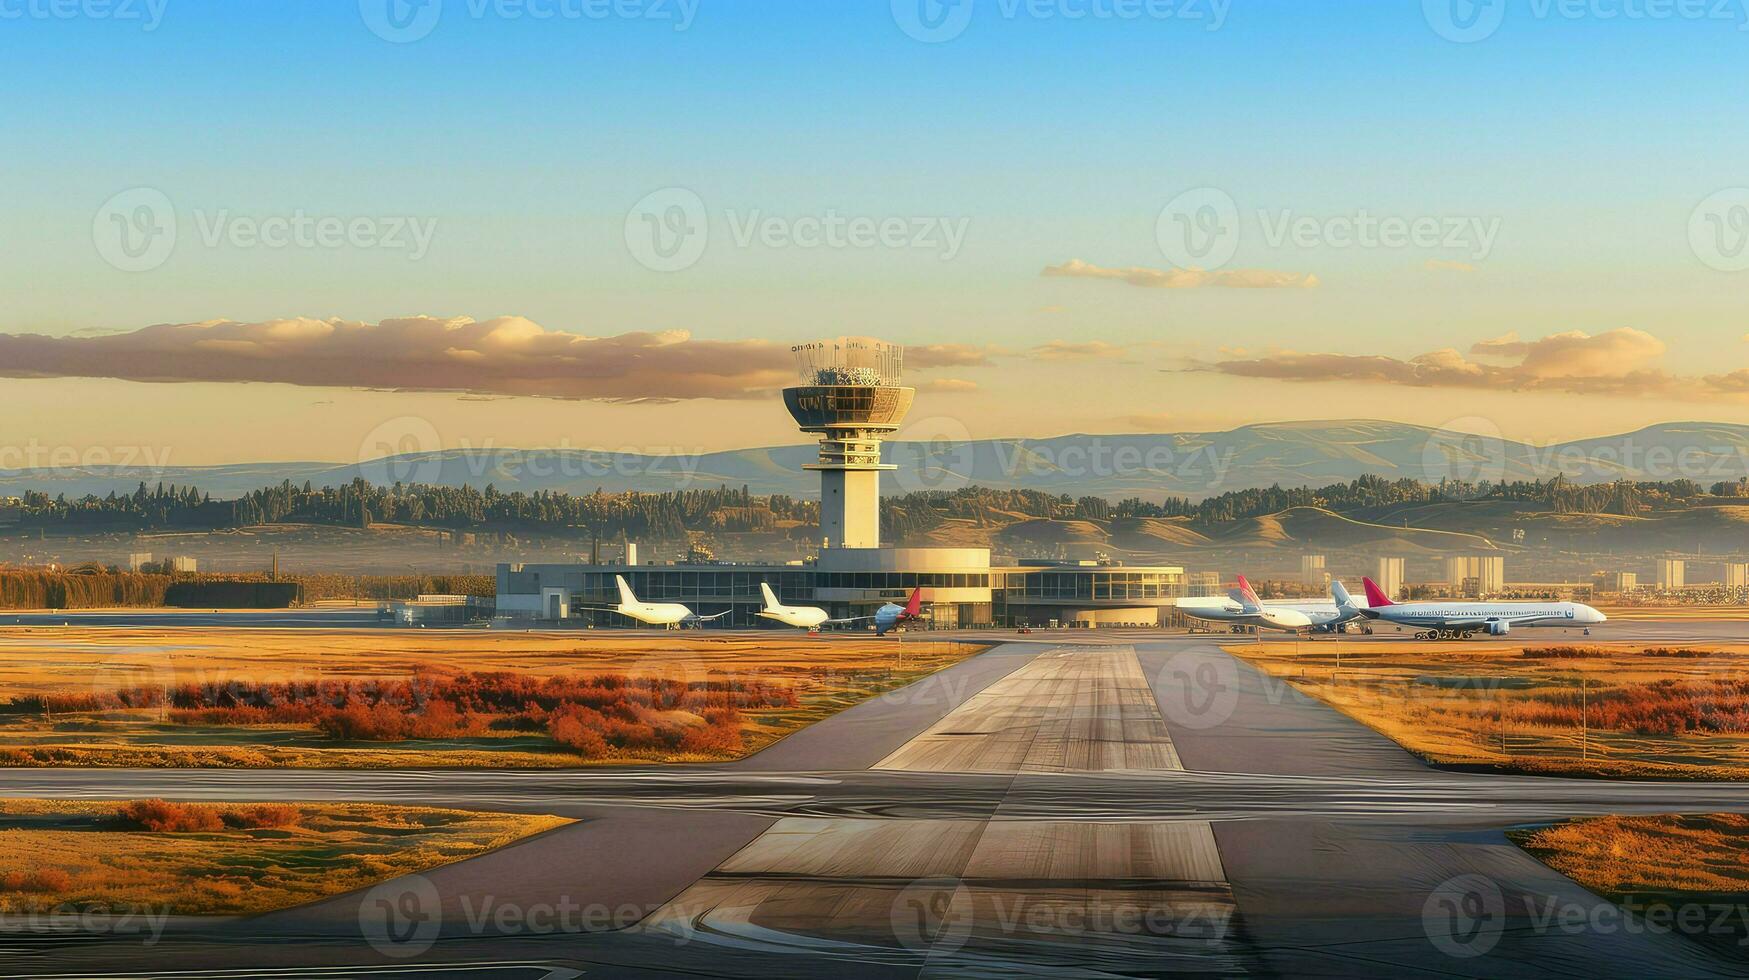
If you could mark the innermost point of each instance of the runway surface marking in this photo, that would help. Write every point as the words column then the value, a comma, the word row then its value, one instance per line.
column 1072, row 709
column 994, row 889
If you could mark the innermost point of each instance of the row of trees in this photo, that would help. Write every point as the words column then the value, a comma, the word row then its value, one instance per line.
column 672, row 515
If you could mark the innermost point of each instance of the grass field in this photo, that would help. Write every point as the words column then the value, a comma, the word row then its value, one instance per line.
column 96, row 696
column 1591, row 710
column 1700, row 863
column 87, row 856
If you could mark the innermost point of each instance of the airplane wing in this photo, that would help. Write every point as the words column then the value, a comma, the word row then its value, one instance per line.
column 705, row 619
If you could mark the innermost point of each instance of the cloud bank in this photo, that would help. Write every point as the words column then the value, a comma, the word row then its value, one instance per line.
column 501, row 356
column 1616, row 362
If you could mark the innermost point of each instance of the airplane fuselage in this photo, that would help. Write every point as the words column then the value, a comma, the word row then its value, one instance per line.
column 1498, row 618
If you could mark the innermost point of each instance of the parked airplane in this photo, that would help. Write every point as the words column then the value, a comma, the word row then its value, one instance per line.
column 664, row 614
column 801, row 617
column 1455, row 620
column 812, row 617
column 891, row 615
column 1241, row 607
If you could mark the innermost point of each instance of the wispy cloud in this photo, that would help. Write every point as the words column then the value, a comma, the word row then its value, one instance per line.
column 948, row 386
column 1184, row 278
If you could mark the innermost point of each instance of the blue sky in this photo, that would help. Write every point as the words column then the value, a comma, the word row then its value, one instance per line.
column 1587, row 139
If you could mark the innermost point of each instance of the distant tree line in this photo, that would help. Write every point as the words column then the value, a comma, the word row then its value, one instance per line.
column 673, row 515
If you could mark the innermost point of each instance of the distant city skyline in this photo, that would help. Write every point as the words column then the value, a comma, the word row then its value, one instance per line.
column 605, row 230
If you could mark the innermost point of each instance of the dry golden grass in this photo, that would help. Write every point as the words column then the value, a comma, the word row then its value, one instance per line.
column 827, row 673
column 1623, row 857
column 1487, row 705
column 333, row 848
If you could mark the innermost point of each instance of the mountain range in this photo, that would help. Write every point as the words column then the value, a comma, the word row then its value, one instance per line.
column 1195, row 464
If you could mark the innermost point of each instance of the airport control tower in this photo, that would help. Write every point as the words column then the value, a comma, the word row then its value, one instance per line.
column 851, row 397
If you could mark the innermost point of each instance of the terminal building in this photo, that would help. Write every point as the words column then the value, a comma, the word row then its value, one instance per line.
column 851, row 398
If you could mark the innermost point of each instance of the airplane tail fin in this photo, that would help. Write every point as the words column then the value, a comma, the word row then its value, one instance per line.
column 915, row 605
column 626, row 596
column 770, row 597
column 1375, row 596
column 1249, row 593
column 1340, row 594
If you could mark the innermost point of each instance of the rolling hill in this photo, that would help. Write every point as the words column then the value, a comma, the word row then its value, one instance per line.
column 1191, row 465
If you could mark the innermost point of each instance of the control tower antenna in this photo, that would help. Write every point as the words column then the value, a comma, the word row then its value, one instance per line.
column 851, row 397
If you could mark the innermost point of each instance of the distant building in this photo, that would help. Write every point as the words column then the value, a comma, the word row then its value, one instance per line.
column 1313, row 573
column 1476, row 575
column 184, row 564
column 1672, row 574
column 1619, row 582
column 1736, row 575
column 1389, row 576
column 1203, row 584
column 138, row 560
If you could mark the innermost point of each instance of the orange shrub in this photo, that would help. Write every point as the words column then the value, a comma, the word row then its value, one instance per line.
column 42, row 881
column 261, row 816
column 159, row 816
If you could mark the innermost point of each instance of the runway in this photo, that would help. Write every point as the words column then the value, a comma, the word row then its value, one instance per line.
column 1115, row 809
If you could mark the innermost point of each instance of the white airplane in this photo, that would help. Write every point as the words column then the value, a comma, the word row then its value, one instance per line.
column 1241, row 607
column 664, row 614
column 1457, row 620
column 813, row 617
column 801, row 617
column 1330, row 616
